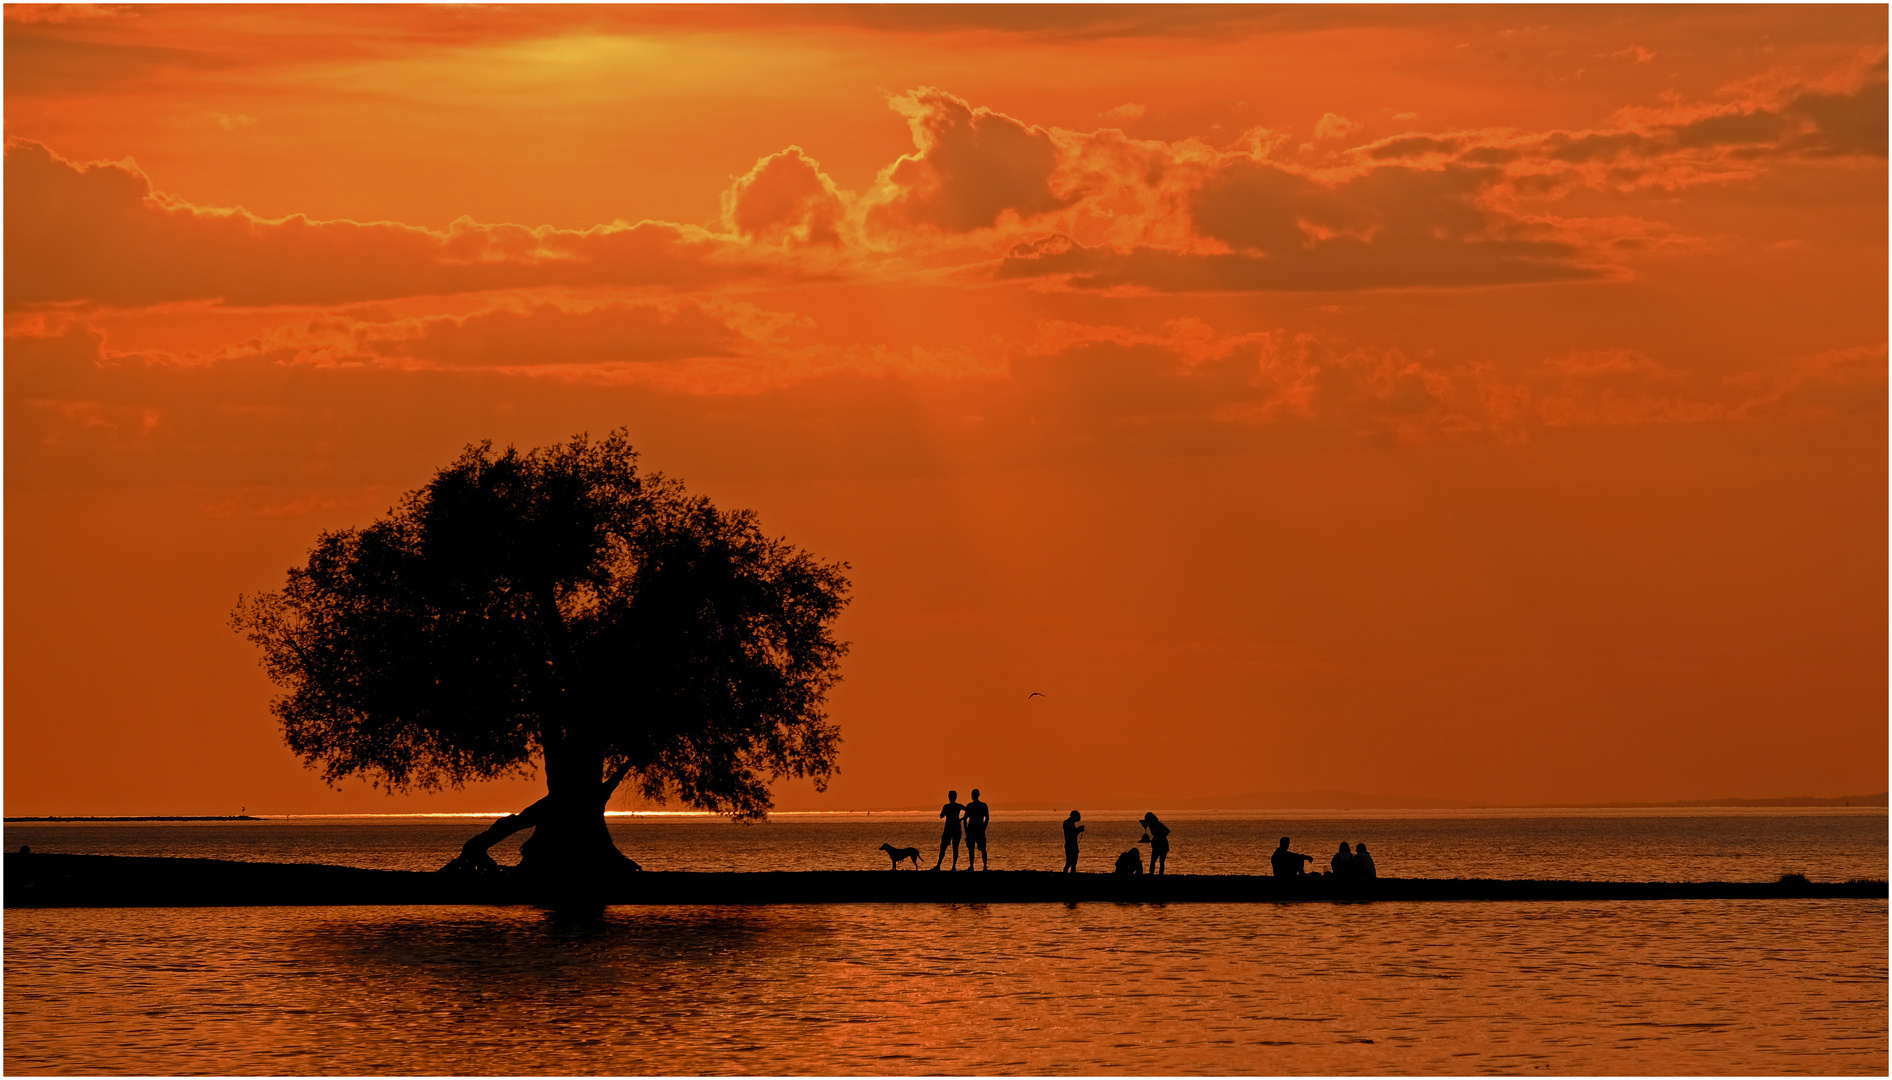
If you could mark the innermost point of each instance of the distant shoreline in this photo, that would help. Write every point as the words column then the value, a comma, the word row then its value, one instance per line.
column 1865, row 801
column 1107, row 806
column 143, row 817
column 1350, row 800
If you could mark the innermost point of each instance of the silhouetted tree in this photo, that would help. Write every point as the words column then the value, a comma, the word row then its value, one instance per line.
column 557, row 608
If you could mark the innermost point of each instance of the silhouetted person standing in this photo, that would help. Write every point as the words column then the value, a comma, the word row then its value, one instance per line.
column 1363, row 863
column 1158, row 834
column 1343, row 861
column 952, row 812
column 1288, row 863
column 1071, row 829
column 977, row 814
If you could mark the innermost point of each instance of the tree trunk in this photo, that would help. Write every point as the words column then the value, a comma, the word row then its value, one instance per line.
column 568, row 830
column 570, row 835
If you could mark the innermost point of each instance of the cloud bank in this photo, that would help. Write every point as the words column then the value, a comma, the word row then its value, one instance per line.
column 99, row 234
column 984, row 193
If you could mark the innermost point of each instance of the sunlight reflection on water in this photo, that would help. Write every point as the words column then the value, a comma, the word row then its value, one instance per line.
column 1650, row 987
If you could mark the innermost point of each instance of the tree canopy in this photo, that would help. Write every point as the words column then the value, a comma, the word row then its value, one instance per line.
column 558, row 609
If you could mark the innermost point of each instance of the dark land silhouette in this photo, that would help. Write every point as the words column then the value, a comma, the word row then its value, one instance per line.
column 43, row 879
column 1353, row 800
column 557, row 610
column 144, row 817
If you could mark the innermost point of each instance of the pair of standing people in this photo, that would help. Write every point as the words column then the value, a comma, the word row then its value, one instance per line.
column 972, row 819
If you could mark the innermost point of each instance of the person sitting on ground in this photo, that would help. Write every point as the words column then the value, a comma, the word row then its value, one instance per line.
column 1288, row 863
column 1343, row 861
column 1363, row 863
column 1130, row 862
column 1071, row 829
column 1157, row 834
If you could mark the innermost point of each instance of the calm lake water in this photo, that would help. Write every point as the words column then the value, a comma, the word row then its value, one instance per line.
column 1709, row 845
column 1793, row 986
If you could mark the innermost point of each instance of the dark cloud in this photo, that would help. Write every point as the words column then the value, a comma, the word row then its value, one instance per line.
column 98, row 234
column 785, row 197
column 1852, row 123
column 41, row 60
column 1413, row 146
column 548, row 334
column 1804, row 122
column 1390, row 227
column 971, row 166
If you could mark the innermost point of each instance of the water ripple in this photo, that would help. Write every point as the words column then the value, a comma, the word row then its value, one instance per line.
column 1653, row 987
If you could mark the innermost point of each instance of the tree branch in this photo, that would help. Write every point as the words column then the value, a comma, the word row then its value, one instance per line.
column 617, row 777
column 473, row 854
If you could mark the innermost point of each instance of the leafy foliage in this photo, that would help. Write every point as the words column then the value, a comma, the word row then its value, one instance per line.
column 560, row 606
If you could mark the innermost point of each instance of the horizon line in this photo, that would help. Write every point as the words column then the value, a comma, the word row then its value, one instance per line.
column 1861, row 802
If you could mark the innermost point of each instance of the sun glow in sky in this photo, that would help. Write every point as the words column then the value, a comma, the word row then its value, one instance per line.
column 1486, row 404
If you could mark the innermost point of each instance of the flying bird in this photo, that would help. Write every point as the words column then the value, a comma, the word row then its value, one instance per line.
column 1033, row 694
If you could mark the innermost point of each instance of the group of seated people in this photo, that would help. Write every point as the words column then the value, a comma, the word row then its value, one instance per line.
column 1356, row 862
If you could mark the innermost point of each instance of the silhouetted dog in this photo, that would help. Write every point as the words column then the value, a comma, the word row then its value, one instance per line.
column 898, row 853
column 1130, row 862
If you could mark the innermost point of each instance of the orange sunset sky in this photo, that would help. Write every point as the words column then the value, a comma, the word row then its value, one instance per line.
column 1479, row 404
